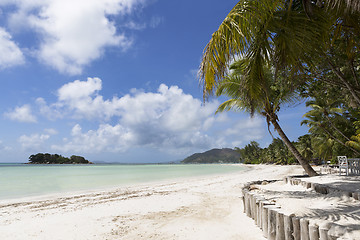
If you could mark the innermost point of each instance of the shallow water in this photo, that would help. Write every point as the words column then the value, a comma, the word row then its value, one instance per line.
column 21, row 180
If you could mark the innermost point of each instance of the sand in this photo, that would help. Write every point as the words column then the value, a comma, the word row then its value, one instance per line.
column 207, row 207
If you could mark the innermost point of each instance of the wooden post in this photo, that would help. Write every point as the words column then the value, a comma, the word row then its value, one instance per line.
column 288, row 227
column 264, row 220
column 248, row 207
column 304, row 229
column 253, row 208
column 272, row 224
column 314, row 232
column 259, row 204
column 280, row 233
column 296, row 228
column 323, row 234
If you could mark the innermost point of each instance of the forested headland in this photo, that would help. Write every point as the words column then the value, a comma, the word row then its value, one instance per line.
column 47, row 158
column 225, row 155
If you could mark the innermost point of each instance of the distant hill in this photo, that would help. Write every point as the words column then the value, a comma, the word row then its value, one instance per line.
column 225, row 155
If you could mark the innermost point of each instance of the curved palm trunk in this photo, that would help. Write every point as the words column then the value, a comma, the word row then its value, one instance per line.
column 337, row 130
column 305, row 164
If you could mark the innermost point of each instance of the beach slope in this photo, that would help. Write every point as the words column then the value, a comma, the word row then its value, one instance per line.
column 207, row 207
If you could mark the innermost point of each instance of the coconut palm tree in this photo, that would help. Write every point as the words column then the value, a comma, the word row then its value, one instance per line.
column 354, row 142
column 318, row 126
column 267, row 31
column 273, row 94
column 329, row 110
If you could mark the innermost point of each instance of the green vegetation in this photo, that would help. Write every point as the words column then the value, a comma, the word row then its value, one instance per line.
column 46, row 158
column 225, row 155
column 283, row 51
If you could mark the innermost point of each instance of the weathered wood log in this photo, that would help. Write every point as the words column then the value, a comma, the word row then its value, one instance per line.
column 323, row 234
column 264, row 220
column 272, row 223
column 280, row 232
column 259, row 205
column 285, row 180
column 251, row 211
column 304, row 229
column 314, row 232
column 288, row 227
column 248, row 206
column 296, row 228
column 253, row 207
column 321, row 189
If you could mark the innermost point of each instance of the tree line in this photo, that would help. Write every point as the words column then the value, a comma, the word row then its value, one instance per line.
column 270, row 54
column 47, row 158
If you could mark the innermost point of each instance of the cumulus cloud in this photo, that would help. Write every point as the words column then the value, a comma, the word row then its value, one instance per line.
column 247, row 130
column 22, row 114
column 72, row 33
column 33, row 142
column 164, row 119
column 11, row 55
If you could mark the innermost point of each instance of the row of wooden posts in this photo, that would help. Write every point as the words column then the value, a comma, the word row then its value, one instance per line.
column 321, row 188
column 277, row 225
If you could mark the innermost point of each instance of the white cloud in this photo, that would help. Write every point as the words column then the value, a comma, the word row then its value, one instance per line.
column 21, row 114
column 51, row 131
column 106, row 138
column 247, row 130
column 156, row 21
column 3, row 147
column 167, row 119
column 11, row 55
column 33, row 142
column 73, row 32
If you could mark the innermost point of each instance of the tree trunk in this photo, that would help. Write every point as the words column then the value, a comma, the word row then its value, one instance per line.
column 305, row 164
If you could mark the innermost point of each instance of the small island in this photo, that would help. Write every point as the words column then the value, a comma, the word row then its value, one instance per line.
column 47, row 158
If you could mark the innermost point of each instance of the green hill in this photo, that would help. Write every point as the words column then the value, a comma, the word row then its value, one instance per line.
column 225, row 155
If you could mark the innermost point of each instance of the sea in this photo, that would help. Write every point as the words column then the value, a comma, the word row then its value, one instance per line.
column 27, row 180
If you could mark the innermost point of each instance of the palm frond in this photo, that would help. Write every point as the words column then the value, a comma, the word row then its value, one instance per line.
column 240, row 27
column 231, row 104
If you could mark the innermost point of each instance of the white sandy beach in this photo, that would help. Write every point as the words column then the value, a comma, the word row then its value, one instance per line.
column 197, row 208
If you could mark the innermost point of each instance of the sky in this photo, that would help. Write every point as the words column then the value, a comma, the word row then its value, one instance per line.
column 115, row 81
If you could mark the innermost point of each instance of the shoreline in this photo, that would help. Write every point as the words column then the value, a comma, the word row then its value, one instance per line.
column 110, row 186
column 200, row 207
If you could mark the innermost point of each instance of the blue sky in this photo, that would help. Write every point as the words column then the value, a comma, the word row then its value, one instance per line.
column 115, row 80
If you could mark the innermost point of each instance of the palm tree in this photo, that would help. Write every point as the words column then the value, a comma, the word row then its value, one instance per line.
column 273, row 33
column 354, row 142
column 273, row 93
column 318, row 127
column 329, row 110
column 267, row 31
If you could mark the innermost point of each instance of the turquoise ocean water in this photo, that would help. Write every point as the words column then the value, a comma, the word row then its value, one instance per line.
column 22, row 180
